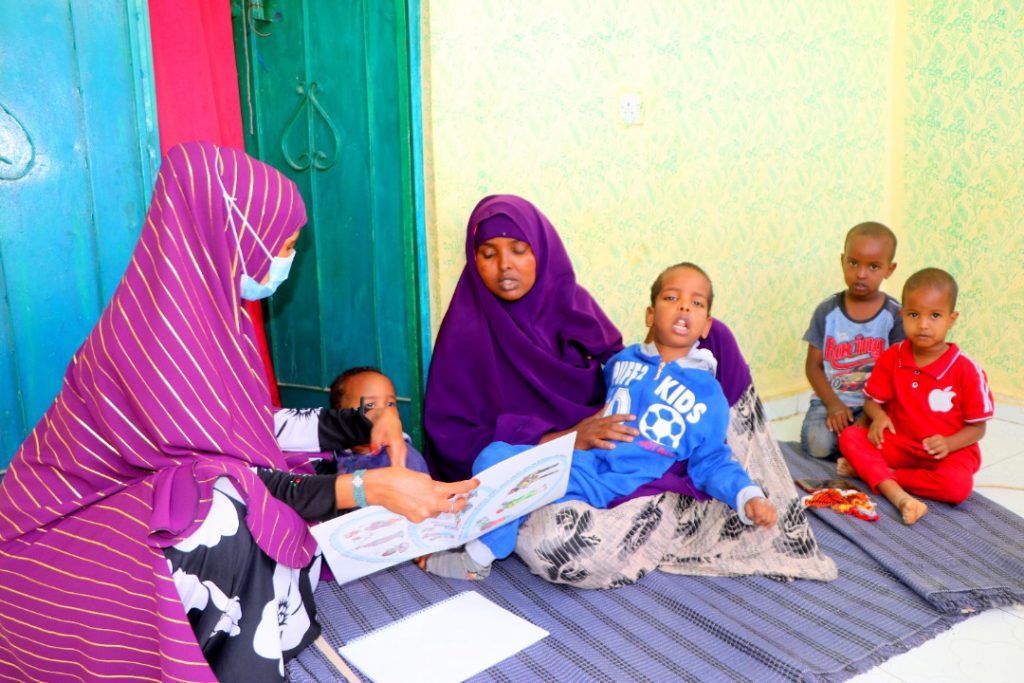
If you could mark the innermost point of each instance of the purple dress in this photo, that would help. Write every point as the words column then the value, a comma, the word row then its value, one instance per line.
column 165, row 396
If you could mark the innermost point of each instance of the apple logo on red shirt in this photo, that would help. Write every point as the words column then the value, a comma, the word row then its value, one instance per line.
column 941, row 400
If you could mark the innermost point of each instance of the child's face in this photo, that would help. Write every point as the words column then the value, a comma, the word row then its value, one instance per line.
column 927, row 318
column 679, row 316
column 507, row 266
column 375, row 390
column 866, row 262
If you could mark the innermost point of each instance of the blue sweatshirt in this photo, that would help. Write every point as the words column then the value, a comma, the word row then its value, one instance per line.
column 682, row 414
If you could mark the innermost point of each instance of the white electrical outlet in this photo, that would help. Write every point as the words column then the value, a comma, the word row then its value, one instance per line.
column 631, row 109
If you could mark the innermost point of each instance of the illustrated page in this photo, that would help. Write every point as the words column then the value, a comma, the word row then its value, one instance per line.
column 368, row 540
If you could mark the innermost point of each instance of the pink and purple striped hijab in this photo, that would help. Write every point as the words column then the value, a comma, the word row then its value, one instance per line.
column 165, row 395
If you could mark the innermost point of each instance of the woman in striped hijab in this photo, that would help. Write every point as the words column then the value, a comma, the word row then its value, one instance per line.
column 150, row 460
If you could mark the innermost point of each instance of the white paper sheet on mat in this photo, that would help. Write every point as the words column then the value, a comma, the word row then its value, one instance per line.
column 444, row 643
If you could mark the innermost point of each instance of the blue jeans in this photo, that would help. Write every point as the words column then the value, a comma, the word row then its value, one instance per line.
column 815, row 436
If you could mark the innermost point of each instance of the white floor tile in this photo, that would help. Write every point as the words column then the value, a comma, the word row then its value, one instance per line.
column 1009, row 412
column 1009, row 472
column 1002, row 441
column 782, row 408
column 876, row 675
column 1015, row 610
column 787, row 429
column 1011, row 500
column 987, row 648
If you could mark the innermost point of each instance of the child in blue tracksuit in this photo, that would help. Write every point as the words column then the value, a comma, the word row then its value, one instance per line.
column 683, row 415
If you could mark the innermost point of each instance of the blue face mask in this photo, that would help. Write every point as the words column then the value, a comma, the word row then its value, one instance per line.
column 254, row 291
column 249, row 289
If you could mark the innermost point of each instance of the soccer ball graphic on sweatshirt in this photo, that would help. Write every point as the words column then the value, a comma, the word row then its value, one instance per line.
column 663, row 425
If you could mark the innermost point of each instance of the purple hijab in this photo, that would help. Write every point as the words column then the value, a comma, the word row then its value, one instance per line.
column 514, row 371
column 165, row 395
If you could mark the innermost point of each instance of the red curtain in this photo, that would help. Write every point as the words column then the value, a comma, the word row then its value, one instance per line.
column 197, row 93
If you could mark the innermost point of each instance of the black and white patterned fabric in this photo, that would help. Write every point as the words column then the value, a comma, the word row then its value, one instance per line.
column 250, row 614
column 577, row 544
column 298, row 429
column 318, row 430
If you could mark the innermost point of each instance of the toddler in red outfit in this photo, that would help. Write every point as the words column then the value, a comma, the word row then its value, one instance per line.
column 926, row 403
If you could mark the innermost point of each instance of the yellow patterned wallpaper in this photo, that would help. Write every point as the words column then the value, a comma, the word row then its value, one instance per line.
column 963, row 170
column 768, row 129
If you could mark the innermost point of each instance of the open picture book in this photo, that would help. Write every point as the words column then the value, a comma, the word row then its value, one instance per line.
column 373, row 538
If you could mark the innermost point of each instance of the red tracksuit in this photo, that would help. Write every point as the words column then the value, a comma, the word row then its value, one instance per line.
column 940, row 398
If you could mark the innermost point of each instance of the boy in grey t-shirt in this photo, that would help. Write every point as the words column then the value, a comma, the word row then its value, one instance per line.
column 848, row 332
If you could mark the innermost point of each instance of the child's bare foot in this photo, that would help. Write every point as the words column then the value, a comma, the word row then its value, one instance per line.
column 912, row 509
column 844, row 468
column 453, row 564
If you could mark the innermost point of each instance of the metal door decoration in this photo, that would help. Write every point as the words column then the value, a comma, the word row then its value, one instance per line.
column 318, row 159
column 326, row 99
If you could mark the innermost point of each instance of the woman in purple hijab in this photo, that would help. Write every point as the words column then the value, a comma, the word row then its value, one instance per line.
column 524, row 364
column 160, row 446
column 517, row 359
column 519, row 353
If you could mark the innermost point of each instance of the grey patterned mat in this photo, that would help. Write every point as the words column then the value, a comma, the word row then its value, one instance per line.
column 897, row 587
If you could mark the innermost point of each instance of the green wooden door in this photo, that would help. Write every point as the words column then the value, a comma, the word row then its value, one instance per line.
column 78, row 153
column 325, row 98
